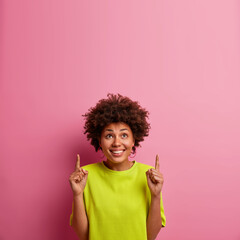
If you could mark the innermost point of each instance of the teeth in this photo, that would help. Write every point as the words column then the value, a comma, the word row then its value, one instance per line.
column 117, row 151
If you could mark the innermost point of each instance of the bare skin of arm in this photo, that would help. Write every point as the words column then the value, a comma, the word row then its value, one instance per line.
column 78, row 181
column 154, row 220
column 155, row 182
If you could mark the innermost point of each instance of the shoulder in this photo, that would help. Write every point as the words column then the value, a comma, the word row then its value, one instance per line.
column 144, row 166
column 92, row 166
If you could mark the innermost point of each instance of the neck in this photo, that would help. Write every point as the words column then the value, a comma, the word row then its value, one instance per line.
column 119, row 166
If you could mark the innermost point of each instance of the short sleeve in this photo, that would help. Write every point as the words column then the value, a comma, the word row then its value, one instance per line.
column 71, row 217
column 162, row 212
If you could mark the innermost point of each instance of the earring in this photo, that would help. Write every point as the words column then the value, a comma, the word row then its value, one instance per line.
column 132, row 155
column 102, row 156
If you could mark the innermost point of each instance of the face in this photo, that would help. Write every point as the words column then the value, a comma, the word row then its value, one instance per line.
column 116, row 142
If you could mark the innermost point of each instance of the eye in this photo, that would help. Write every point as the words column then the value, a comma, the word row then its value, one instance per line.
column 124, row 135
column 109, row 136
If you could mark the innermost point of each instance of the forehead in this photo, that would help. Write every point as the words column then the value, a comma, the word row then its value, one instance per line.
column 117, row 126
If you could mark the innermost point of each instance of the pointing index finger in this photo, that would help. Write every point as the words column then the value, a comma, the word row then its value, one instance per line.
column 78, row 162
column 157, row 167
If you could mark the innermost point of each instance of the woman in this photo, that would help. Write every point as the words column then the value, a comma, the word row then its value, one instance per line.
column 117, row 198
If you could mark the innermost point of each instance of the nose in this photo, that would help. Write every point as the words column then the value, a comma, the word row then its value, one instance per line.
column 116, row 142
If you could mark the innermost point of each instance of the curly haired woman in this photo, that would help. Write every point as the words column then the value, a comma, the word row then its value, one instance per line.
column 117, row 198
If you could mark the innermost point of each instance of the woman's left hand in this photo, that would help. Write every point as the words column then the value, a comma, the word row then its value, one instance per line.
column 155, row 179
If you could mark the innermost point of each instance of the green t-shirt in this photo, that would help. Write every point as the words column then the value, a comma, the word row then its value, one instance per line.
column 117, row 202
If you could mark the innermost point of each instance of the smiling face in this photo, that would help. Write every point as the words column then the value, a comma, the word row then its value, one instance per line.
column 116, row 142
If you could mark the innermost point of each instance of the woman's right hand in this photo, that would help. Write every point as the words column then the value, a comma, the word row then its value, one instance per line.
column 78, row 178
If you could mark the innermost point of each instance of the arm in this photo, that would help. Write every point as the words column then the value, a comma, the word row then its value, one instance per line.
column 78, row 180
column 155, row 182
column 154, row 220
column 80, row 221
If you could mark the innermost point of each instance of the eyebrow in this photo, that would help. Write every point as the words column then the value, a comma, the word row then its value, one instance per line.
column 110, row 130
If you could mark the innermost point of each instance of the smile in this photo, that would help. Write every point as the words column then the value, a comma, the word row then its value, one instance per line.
column 117, row 153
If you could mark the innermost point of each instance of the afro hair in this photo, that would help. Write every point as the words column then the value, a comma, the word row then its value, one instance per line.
column 116, row 108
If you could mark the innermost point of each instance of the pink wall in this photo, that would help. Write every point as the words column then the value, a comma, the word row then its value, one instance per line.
column 179, row 59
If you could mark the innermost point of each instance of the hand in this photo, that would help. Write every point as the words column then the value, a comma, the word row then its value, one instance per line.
column 78, row 178
column 155, row 179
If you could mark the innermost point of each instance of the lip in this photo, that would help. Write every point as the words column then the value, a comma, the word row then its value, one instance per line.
column 117, row 154
column 111, row 150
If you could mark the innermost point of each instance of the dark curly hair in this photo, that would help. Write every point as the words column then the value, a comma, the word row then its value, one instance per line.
column 116, row 108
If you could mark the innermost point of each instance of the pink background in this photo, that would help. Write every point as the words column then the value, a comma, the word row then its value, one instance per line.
column 179, row 59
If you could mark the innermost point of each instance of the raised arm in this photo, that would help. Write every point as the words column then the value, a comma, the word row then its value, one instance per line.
column 155, row 183
column 78, row 180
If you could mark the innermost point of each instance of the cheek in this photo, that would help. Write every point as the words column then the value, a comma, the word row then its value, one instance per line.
column 130, row 144
column 105, row 144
